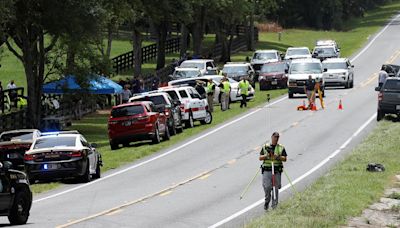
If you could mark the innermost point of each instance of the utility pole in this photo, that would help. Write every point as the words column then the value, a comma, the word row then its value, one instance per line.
column 251, row 41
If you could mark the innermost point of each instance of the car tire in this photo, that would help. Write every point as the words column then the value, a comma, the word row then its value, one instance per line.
column 208, row 119
column 167, row 136
column 380, row 115
column 173, row 129
column 113, row 145
column 190, row 122
column 126, row 144
column 156, row 138
column 352, row 83
column 290, row 95
column 19, row 211
column 347, row 84
column 97, row 175
column 86, row 177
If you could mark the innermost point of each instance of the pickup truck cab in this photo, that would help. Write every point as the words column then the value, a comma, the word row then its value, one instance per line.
column 299, row 70
column 388, row 98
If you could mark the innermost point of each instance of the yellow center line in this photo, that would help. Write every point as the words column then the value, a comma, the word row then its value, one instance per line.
column 165, row 193
column 114, row 212
column 205, row 176
column 295, row 124
column 234, row 160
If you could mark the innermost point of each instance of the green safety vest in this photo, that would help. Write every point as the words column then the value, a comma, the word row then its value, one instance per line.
column 227, row 86
column 244, row 87
column 22, row 102
column 278, row 151
column 210, row 87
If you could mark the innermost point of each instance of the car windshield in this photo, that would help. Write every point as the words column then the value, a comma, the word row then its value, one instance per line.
column 334, row 66
column 235, row 69
column 16, row 136
column 302, row 51
column 272, row 68
column 192, row 65
column 186, row 74
column 392, row 85
column 55, row 142
column 264, row 56
column 157, row 100
column 127, row 111
column 305, row 68
column 325, row 51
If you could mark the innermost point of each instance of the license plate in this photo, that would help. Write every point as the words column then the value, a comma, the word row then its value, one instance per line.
column 127, row 123
column 274, row 82
column 50, row 166
column 397, row 107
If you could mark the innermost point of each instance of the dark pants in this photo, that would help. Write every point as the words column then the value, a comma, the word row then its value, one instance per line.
column 267, row 185
column 243, row 102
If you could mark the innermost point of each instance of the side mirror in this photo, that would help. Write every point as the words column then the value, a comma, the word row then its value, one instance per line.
column 352, row 66
column 93, row 145
column 325, row 69
column 377, row 88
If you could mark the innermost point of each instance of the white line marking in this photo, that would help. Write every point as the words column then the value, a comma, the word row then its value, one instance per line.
column 373, row 40
column 159, row 156
column 323, row 162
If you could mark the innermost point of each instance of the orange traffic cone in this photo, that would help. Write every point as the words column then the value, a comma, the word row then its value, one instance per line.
column 302, row 107
column 313, row 107
column 340, row 105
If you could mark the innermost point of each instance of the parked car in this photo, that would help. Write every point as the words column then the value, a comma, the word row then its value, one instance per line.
column 180, row 73
column 299, row 70
column 193, row 106
column 339, row 72
column 136, row 121
column 14, row 144
column 388, row 98
column 328, row 43
column 16, row 195
column 238, row 70
column 324, row 52
column 260, row 57
column 297, row 53
column 206, row 66
column 235, row 91
column 62, row 156
column 272, row 75
column 171, row 109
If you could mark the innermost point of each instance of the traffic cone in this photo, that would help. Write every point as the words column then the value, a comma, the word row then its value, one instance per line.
column 313, row 107
column 340, row 105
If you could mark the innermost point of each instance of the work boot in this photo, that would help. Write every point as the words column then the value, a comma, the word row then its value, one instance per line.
column 266, row 206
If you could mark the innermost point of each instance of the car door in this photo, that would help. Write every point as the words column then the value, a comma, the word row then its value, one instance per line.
column 5, row 196
column 197, row 104
column 90, row 154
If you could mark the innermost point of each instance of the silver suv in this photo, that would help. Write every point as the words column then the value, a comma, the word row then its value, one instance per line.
column 339, row 72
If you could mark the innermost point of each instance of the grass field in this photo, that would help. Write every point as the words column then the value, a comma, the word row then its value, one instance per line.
column 347, row 189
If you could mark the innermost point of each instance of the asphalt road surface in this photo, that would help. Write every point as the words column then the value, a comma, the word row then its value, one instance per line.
column 198, row 182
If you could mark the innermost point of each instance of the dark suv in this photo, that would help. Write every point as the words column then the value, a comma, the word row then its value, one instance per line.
column 16, row 196
column 388, row 98
column 172, row 109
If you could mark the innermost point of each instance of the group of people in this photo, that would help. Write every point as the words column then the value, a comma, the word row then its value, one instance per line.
column 225, row 91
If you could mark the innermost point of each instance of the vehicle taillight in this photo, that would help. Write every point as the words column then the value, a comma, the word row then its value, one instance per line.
column 166, row 112
column 75, row 154
column 29, row 157
column 380, row 96
column 144, row 118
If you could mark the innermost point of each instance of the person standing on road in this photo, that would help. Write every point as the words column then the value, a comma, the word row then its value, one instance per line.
column 244, row 86
column 226, row 87
column 273, row 153
column 309, row 90
column 210, row 94
column 383, row 75
column 126, row 94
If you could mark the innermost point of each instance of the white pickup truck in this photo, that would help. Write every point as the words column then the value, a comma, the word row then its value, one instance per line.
column 298, row 73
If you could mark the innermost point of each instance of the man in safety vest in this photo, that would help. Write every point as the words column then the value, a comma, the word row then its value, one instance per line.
column 226, row 88
column 275, row 154
column 210, row 94
column 244, row 86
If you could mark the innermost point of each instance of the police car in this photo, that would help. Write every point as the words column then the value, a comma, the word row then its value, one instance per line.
column 193, row 107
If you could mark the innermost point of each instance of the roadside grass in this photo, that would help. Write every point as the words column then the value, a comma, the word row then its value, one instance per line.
column 94, row 127
column 347, row 189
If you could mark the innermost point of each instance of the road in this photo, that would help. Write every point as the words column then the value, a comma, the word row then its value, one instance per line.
column 198, row 182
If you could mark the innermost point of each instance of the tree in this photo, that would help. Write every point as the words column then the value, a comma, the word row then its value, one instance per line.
column 30, row 23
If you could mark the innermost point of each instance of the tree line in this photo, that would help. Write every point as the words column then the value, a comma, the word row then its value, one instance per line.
column 75, row 36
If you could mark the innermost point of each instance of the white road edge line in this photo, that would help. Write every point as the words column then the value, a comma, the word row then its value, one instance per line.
column 157, row 157
column 373, row 40
column 323, row 162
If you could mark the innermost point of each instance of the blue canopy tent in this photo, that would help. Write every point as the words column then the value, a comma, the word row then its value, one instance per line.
column 68, row 84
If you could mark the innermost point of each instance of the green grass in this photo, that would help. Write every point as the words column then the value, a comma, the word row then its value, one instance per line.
column 94, row 127
column 347, row 189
